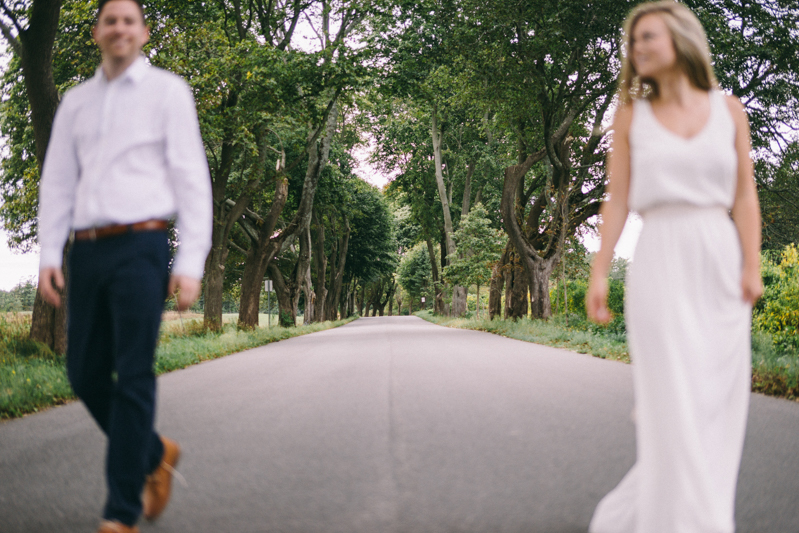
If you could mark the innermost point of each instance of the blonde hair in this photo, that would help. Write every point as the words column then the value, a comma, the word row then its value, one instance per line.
column 690, row 45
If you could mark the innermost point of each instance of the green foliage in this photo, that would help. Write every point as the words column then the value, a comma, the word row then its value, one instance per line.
column 415, row 273
column 20, row 298
column 774, row 371
column 777, row 313
column 778, row 184
column 372, row 250
column 479, row 247
column 754, row 56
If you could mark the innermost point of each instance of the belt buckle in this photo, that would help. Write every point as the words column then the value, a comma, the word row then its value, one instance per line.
column 93, row 233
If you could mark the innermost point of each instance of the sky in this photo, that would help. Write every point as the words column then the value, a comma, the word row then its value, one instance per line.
column 15, row 267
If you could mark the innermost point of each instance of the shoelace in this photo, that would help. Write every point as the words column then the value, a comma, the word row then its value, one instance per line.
column 175, row 474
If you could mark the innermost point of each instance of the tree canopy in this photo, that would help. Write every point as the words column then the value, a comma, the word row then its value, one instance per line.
column 491, row 117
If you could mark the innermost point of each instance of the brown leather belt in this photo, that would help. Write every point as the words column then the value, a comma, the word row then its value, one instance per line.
column 92, row 234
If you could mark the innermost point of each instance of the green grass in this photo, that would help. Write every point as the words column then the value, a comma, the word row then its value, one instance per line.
column 553, row 332
column 32, row 377
column 774, row 372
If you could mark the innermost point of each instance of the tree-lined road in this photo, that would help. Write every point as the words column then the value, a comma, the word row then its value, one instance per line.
column 386, row 425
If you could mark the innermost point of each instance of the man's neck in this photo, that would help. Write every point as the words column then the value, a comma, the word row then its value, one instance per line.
column 113, row 68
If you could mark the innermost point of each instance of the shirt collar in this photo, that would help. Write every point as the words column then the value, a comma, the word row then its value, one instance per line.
column 135, row 72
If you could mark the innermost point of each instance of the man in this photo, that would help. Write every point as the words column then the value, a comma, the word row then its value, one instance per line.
column 124, row 156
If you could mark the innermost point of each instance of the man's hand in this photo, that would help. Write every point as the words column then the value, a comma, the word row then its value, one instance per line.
column 186, row 289
column 51, row 278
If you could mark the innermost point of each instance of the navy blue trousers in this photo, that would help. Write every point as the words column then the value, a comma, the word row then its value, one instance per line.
column 117, row 288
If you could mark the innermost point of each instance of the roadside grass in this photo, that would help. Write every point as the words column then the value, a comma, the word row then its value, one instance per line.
column 775, row 372
column 553, row 332
column 33, row 378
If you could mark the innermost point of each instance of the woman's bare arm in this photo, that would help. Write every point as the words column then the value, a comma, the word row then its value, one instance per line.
column 614, row 215
column 746, row 209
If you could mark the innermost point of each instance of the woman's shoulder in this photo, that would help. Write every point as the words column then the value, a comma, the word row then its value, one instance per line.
column 623, row 118
column 734, row 105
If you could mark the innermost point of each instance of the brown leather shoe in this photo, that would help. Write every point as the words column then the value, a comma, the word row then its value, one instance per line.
column 158, row 487
column 109, row 526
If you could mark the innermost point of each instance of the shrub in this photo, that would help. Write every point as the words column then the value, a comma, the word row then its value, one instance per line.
column 778, row 311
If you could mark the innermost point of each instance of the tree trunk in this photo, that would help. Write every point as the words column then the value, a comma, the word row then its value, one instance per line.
column 259, row 257
column 467, row 190
column 516, row 286
column 320, row 283
column 334, row 296
column 360, row 301
column 349, row 301
column 381, row 306
column 266, row 247
column 302, row 278
column 255, row 265
column 458, row 293
column 497, row 284
column 34, row 46
column 213, row 291
column 48, row 323
column 537, row 266
column 478, row 301
column 287, row 316
column 539, row 290
column 438, row 303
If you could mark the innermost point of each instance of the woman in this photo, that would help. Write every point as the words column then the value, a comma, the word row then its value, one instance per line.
column 680, row 158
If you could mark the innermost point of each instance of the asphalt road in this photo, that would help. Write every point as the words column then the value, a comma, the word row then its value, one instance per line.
column 386, row 425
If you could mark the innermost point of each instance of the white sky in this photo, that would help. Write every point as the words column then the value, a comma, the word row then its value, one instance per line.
column 15, row 267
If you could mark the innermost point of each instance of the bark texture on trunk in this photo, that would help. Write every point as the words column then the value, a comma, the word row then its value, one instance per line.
column 287, row 317
column 302, row 277
column 458, row 293
column 260, row 254
column 225, row 216
column 497, row 284
column 534, row 263
column 438, row 303
column 467, row 190
column 360, row 301
column 337, row 275
column 516, row 285
column 266, row 247
column 320, row 279
column 34, row 46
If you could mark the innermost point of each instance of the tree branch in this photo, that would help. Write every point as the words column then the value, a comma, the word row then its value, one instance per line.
column 12, row 40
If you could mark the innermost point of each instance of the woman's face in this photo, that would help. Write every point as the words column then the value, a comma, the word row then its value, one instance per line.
column 652, row 47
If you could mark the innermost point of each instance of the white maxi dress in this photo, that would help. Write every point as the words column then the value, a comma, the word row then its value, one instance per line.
column 688, row 332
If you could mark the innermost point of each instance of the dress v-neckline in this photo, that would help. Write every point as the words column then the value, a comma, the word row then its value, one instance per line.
column 693, row 137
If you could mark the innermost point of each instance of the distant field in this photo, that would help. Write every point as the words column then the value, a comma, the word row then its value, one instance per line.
column 263, row 318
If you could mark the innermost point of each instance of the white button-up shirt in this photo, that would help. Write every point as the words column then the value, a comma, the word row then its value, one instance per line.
column 125, row 151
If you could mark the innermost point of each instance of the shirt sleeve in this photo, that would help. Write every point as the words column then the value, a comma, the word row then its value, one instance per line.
column 57, row 188
column 190, row 181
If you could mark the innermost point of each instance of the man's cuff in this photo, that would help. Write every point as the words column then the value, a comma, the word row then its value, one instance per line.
column 50, row 258
column 191, row 267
